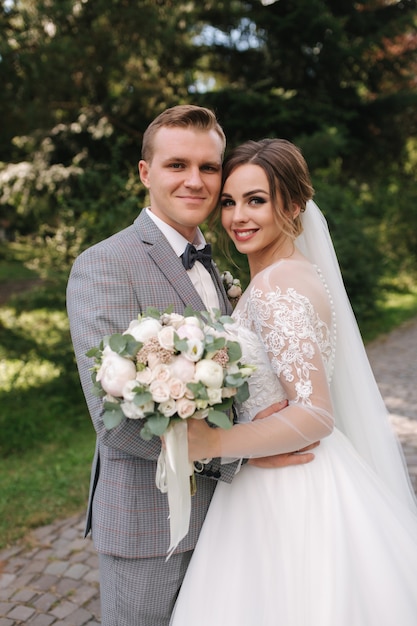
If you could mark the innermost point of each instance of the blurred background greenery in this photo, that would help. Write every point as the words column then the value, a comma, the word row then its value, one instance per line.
column 81, row 80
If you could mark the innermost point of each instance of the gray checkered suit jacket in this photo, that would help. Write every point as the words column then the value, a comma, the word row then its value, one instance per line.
column 110, row 283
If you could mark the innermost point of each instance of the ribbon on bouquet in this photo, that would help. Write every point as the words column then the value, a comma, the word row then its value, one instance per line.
column 173, row 477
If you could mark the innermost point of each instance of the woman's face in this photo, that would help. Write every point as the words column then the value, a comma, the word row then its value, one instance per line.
column 249, row 217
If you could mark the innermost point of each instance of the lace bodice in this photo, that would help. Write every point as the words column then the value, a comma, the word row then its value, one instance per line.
column 280, row 332
column 286, row 326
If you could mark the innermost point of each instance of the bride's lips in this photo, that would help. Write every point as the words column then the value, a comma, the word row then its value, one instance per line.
column 245, row 235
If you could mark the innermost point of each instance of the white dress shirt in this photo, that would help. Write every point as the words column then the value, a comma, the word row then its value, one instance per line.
column 198, row 274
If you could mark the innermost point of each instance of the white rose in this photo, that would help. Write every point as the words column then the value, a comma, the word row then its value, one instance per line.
column 182, row 368
column 166, row 337
column 128, row 393
column 234, row 291
column 201, row 404
column 114, row 372
column 214, row 396
column 144, row 376
column 144, row 329
column 189, row 331
column 200, row 415
column 177, row 388
column 185, row 407
column 193, row 321
column 168, row 408
column 194, row 350
column 159, row 390
column 209, row 373
column 247, row 370
column 227, row 277
column 109, row 398
column 172, row 319
column 134, row 412
column 161, row 372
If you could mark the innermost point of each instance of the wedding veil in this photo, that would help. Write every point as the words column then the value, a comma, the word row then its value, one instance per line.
column 360, row 412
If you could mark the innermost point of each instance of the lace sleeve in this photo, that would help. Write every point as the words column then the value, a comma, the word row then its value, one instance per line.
column 289, row 310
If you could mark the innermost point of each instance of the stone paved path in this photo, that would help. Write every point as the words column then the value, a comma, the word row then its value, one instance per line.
column 52, row 577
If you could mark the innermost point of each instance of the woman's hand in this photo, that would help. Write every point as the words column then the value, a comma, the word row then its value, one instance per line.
column 203, row 441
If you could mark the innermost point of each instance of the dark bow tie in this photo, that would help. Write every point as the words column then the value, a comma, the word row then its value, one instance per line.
column 191, row 255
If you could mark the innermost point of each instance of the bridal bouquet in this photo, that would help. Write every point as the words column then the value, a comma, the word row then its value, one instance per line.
column 164, row 369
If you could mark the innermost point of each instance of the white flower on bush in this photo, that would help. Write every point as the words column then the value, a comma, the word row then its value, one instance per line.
column 161, row 372
column 214, row 395
column 209, row 373
column 166, row 337
column 194, row 350
column 177, row 388
column 144, row 376
column 159, row 391
column 182, row 368
column 135, row 412
column 168, row 408
column 142, row 330
column 114, row 372
column 185, row 408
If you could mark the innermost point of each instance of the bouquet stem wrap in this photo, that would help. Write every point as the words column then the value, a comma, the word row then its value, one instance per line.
column 173, row 477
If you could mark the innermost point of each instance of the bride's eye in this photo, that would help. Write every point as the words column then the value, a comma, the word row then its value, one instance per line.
column 226, row 202
column 257, row 200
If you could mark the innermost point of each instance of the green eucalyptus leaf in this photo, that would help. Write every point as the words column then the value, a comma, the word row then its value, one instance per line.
column 112, row 418
column 234, row 380
column 145, row 433
column 234, row 350
column 181, row 345
column 152, row 312
column 242, row 393
column 219, row 419
column 93, row 352
column 199, row 390
column 117, row 343
column 157, row 424
column 142, row 397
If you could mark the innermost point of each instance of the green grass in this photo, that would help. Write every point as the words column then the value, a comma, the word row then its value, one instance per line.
column 47, row 440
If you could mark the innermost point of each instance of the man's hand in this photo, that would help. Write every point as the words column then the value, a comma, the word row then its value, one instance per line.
column 300, row 457
column 288, row 458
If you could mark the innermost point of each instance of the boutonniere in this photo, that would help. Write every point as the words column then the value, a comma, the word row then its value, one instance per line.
column 232, row 287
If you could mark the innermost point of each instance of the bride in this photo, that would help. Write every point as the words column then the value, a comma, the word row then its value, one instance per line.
column 333, row 542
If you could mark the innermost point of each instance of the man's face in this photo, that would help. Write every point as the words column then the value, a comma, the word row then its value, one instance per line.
column 183, row 177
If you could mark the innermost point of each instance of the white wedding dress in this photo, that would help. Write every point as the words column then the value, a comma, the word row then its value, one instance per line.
column 328, row 543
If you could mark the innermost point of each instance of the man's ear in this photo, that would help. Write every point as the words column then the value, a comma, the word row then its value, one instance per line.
column 144, row 172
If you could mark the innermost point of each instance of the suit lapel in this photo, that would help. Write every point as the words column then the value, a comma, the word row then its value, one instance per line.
column 171, row 266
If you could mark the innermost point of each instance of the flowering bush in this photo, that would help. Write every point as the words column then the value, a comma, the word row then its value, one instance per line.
column 169, row 367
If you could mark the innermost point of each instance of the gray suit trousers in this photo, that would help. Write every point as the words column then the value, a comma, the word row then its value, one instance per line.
column 140, row 592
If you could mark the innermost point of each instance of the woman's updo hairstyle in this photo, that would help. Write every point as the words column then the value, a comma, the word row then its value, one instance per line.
column 287, row 173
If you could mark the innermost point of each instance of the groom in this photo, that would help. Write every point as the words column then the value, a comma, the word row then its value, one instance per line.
column 110, row 283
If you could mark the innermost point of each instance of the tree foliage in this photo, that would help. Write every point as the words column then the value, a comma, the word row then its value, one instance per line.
column 81, row 80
